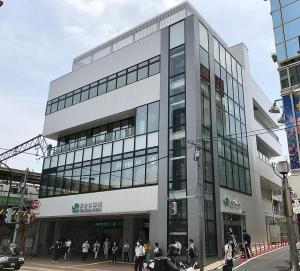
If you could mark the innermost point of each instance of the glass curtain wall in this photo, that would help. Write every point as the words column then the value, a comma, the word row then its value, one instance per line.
column 231, row 122
column 286, row 24
column 122, row 163
column 208, row 176
column 177, row 223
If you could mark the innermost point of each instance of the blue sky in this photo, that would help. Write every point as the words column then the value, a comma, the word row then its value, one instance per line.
column 39, row 39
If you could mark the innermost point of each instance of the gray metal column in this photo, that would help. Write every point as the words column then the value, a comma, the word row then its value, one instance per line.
column 162, row 218
column 215, row 149
column 193, row 130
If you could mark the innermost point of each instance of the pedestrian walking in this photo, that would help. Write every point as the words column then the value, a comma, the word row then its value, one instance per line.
column 114, row 253
column 126, row 251
column 234, row 243
column 138, row 256
column 85, row 250
column 147, row 249
column 96, row 248
column 55, row 251
column 228, row 256
column 67, row 247
column 157, row 250
column 191, row 251
column 179, row 247
column 106, row 245
column 247, row 243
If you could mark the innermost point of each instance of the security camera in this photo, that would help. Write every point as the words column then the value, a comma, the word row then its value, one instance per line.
column 274, row 57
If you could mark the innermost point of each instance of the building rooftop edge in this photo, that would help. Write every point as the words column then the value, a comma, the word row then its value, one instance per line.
column 184, row 6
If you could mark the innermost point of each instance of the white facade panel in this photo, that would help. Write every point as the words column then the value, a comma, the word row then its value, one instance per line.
column 114, row 102
column 123, row 58
column 124, row 201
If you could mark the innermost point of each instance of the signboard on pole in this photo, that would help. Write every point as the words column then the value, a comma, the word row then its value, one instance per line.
column 291, row 104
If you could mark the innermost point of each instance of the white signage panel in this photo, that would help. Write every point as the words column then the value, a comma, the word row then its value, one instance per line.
column 122, row 201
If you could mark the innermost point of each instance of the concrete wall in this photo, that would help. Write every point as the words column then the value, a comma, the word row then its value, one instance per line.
column 91, row 112
column 117, row 61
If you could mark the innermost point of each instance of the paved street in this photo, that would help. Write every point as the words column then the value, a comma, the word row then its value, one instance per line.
column 44, row 265
column 273, row 261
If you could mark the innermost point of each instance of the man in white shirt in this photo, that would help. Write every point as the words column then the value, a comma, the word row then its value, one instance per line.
column 228, row 255
column 139, row 256
column 179, row 247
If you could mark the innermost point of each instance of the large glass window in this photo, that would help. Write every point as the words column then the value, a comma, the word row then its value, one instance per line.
column 216, row 50
column 203, row 36
column 276, row 18
column 176, row 34
column 141, row 120
column 153, row 117
column 292, row 29
column 142, row 70
column 177, row 84
column 127, row 172
column 290, row 12
column 139, row 171
column 292, row 47
column 275, row 4
column 177, row 63
column 121, row 80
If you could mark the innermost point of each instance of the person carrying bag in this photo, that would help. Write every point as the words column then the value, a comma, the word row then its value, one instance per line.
column 228, row 256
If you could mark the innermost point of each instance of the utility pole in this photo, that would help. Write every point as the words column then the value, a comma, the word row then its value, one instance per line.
column 283, row 168
column 22, row 192
column 289, row 221
column 200, row 197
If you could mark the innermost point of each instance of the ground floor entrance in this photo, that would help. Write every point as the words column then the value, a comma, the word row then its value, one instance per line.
column 235, row 222
column 115, row 228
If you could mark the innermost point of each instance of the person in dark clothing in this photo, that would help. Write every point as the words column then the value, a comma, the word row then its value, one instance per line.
column 55, row 251
column 247, row 243
column 114, row 251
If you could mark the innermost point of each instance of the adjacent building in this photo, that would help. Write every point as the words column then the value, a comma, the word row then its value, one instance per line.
column 123, row 119
column 286, row 23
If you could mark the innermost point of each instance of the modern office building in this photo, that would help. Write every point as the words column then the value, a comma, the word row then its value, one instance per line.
column 286, row 23
column 123, row 167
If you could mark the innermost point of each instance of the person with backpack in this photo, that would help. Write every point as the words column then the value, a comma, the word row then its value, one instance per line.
column 228, row 256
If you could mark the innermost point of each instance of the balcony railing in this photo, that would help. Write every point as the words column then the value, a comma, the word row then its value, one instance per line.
column 90, row 141
column 263, row 158
column 272, row 133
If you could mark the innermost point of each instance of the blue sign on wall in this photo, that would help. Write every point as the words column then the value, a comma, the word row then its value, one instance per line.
column 291, row 104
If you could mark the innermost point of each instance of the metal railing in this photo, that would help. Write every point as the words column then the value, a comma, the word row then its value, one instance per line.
column 272, row 133
column 90, row 141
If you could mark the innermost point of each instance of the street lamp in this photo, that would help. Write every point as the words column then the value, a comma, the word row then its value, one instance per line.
column 281, row 120
column 274, row 108
column 283, row 168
